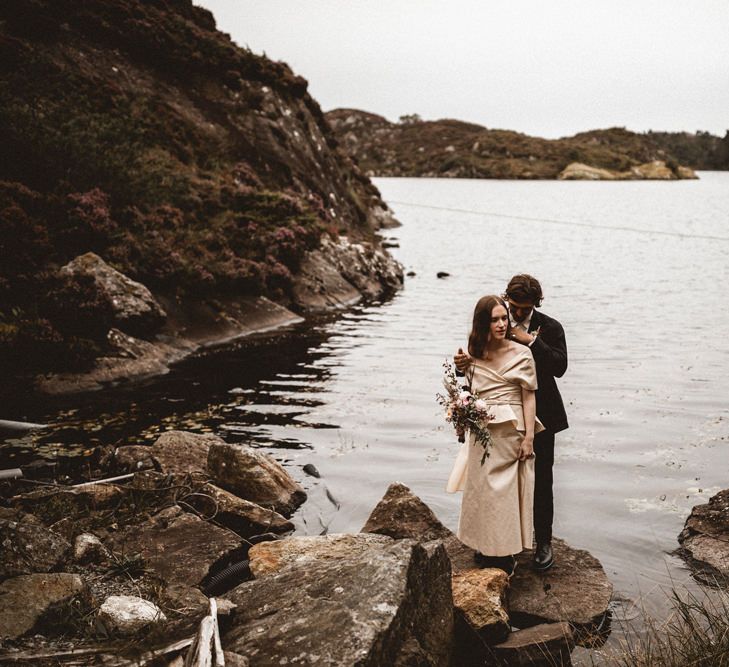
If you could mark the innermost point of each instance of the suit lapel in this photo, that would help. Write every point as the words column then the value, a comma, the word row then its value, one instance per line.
column 536, row 321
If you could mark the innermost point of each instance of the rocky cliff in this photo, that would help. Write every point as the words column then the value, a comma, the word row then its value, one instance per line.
column 452, row 148
column 138, row 132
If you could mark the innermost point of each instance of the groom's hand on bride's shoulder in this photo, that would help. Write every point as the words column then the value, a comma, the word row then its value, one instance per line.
column 461, row 360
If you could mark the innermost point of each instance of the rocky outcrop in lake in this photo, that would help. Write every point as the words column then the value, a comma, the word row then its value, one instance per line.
column 163, row 188
column 705, row 540
column 455, row 149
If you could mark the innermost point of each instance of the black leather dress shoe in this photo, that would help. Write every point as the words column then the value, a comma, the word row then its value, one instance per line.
column 543, row 556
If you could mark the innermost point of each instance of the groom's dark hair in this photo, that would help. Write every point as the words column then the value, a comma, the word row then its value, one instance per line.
column 524, row 288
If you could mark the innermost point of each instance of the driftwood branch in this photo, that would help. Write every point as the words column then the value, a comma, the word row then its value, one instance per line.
column 206, row 649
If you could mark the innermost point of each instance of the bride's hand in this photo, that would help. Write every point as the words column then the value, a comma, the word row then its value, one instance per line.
column 526, row 449
column 461, row 360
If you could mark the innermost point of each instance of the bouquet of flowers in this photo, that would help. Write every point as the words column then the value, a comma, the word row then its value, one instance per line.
column 464, row 410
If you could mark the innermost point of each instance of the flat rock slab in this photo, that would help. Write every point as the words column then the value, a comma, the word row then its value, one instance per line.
column 705, row 539
column 544, row 645
column 27, row 546
column 183, row 452
column 24, row 600
column 269, row 557
column 254, row 476
column 575, row 589
column 178, row 547
column 389, row 605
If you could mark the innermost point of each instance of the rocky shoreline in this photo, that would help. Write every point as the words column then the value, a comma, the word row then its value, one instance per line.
column 150, row 332
column 126, row 566
column 705, row 541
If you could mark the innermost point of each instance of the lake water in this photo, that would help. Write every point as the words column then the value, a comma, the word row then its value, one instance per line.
column 636, row 273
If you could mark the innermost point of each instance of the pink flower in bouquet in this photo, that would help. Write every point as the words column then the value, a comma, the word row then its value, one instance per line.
column 481, row 405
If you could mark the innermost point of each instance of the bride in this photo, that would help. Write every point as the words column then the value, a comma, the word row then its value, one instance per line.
column 496, row 511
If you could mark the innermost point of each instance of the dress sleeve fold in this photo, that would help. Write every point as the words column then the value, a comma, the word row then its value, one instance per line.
column 525, row 372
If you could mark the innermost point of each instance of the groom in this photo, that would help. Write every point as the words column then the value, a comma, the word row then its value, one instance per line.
column 545, row 338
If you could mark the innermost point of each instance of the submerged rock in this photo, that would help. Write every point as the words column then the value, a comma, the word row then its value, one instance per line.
column 127, row 614
column 254, row 476
column 134, row 307
column 575, row 590
column 544, row 645
column 178, row 547
column 27, row 546
column 705, row 539
column 25, row 599
column 389, row 605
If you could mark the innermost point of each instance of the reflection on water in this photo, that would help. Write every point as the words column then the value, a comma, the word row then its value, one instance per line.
column 354, row 396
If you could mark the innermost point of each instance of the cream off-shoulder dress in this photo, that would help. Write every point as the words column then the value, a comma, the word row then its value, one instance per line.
column 496, row 512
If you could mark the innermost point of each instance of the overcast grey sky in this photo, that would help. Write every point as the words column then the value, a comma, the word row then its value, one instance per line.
column 544, row 68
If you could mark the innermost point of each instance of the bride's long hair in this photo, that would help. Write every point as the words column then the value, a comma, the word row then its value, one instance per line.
column 482, row 324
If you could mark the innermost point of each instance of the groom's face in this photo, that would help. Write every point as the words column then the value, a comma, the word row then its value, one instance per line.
column 520, row 310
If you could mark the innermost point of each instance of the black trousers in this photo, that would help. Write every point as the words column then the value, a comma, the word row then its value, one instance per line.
column 543, row 498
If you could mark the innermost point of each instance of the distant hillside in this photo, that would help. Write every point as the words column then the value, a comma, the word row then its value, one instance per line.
column 452, row 148
column 701, row 150
column 136, row 130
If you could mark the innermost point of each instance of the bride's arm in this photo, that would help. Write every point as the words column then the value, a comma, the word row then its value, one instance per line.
column 529, row 405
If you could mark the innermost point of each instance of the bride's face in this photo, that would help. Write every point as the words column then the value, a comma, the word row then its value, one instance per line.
column 499, row 323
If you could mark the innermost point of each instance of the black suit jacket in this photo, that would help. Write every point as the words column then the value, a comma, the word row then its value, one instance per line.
column 550, row 356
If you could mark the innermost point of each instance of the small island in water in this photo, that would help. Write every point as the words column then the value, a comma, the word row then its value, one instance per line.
column 455, row 149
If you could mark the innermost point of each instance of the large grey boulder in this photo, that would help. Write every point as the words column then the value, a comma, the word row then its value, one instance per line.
column 478, row 595
column 134, row 307
column 25, row 599
column 178, row 547
column 27, row 546
column 127, row 614
column 705, row 539
column 575, row 590
column 255, row 476
column 539, row 646
column 389, row 605
column 183, row 452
